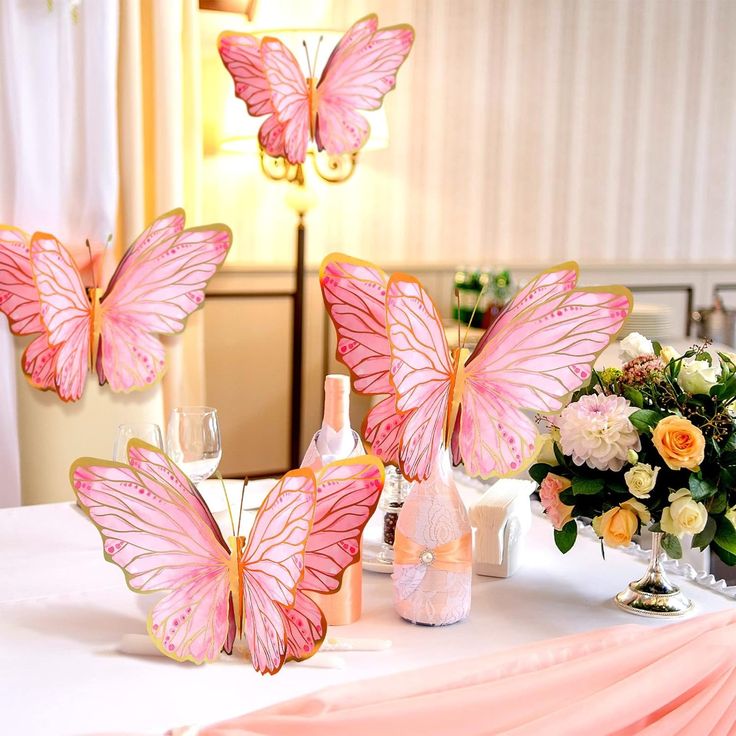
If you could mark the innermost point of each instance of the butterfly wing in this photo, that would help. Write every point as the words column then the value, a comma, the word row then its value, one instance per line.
column 19, row 302
column 531, row 360
column 159, row 286
column 241, row 54
column 421, row 372
column 162, row 542
column 273, row 565
column 354, row 293
column 290, row 100
column 65, row 312
column 359, row 73
column 347, row 495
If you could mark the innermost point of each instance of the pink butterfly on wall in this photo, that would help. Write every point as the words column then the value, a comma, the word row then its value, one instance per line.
column 540, row 349
column 358, row 74
column 159, row 282
column 157, row 528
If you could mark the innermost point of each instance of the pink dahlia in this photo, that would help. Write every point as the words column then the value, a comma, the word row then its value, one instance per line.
column 596, row 430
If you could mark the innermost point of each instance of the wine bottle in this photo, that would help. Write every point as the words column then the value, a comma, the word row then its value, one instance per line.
column 336, row 440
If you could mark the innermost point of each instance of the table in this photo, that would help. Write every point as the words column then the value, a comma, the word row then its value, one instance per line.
column 63, row 610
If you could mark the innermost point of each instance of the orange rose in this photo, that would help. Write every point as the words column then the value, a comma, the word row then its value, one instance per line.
column 616, row 526
column 679, row 442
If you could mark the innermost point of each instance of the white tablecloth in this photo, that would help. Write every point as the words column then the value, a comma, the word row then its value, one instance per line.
column 63, row 611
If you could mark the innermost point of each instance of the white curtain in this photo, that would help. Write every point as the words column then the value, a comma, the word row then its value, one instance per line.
column 58, row 148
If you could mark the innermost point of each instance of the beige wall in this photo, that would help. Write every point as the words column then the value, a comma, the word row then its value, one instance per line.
column 522, row 131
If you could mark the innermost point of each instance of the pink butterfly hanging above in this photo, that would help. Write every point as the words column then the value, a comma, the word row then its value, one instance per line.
column 540, row 349
column 157, row 528
column 159, row 282
column 359, row 72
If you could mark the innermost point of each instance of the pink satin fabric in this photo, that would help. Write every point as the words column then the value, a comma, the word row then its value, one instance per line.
column 680, row 679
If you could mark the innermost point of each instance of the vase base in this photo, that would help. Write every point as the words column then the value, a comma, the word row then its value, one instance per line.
column 638, row 600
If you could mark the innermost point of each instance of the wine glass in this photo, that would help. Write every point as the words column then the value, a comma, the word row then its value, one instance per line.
column 146, row 431
column 193, row 441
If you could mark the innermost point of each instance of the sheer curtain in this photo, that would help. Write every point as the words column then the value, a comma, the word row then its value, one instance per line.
column 58, row 148
column 161, row 148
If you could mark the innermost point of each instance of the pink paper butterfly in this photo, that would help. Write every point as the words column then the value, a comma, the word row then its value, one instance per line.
column 157, row 528
column 360, row 71
column 347, row 495
column 158, row 283
column 539, row 350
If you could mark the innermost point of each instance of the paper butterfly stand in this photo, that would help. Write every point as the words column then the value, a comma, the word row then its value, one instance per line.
column 442, row 407
column 157, row 528
column 78, row 327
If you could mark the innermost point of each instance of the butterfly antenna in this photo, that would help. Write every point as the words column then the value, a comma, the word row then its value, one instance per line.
column 457, row 296
column 309, row 63
column 470, row 321
column 91, row 263
column 242, row 498
column 316, row 53
column 227, row 501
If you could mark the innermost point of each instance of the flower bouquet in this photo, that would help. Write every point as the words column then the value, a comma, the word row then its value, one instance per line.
column 649, row 446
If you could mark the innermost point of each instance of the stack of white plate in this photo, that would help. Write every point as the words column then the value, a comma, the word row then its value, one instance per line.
column 654, row 321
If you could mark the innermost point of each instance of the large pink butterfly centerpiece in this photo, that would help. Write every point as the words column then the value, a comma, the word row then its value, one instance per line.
column 159, row 282
column 360, row 71
column 158, row 529
column 539, row 350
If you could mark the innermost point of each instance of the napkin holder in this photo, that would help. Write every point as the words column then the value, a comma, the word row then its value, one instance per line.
column 502, row 519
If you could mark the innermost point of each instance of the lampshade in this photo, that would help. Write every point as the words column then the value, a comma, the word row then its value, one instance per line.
column 239, row 131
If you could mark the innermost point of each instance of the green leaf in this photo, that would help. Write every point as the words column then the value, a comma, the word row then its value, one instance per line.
column 725, row 536
column 671, row 545
column 635, row 397
column 719, row 503
column 730, row 445
column 657, row 348
column 587, row 486
column 567, row 497
column 655, row 527
column 702, row 539
column 565, row 537
column 561, row 460
column 701, row 488
column 539, row 471
column 725, row 555
column 645, row 419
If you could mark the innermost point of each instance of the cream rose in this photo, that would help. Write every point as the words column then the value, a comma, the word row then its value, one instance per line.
column 634, row 345
column 616, row 526
column 697, row 376
column 547, row 451
column 641, row 479
column 668, row 353
column 684, row 515
column 679, row 443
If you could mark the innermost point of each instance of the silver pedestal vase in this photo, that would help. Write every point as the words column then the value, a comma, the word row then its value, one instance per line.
column 654, row 594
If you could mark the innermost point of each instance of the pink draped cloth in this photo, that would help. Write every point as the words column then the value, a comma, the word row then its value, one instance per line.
column 678, row 679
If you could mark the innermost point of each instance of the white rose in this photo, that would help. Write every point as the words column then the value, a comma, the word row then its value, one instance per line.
column 697, row 376
column 684, row 515
column 634, row 345
column 640, row 479
column 668, row 353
